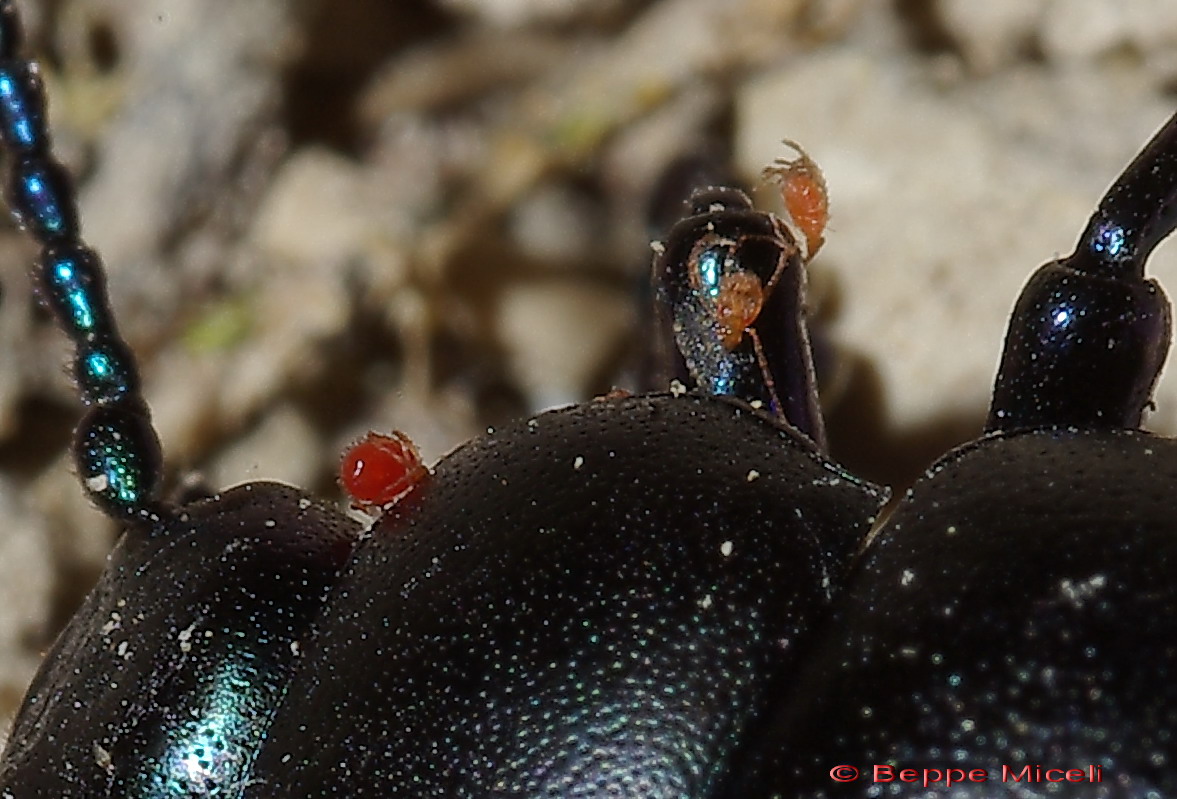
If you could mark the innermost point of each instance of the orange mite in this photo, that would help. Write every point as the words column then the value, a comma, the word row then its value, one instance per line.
column 379, row 469
column 803, row 191
column 741, row 296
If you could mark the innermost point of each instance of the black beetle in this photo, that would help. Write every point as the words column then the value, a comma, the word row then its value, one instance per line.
column 599, row 601
column 1009, row 630
column 629, row 598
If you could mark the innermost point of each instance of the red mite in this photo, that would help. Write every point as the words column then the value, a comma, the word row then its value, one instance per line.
column 379, row 469
column 804, row 194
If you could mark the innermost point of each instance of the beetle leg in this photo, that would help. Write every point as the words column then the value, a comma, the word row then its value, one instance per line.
column 1089, row 334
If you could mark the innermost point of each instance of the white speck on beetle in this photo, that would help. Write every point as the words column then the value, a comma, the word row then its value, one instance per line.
column 578, row 462
column 907, row 578
column 185, row 638
column 726, row 548
column 270, row 523
column 1079, row 591
column 304, row 503
column 757, row 404
column 677, row 389
column 658, row 247
column 98, row 483
column 102, row 758
column 113, row 623
column 753, row 475
column 705, row 602
column 294, row 648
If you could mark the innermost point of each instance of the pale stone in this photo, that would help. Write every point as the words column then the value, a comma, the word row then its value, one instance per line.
column 555, row 369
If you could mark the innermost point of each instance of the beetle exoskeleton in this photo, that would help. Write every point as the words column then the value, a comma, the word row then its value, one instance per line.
column 1014, row 618
column 601, row 601
column 576, row 605
column 668, row 595
column 166, row 679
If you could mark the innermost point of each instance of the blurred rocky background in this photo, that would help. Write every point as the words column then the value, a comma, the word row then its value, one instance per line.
column 324, row 217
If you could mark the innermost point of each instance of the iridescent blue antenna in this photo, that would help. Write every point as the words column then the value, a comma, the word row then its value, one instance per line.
column 116, row 449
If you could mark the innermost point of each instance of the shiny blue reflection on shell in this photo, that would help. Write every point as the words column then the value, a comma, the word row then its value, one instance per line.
column 42, row 202
column 12, row 99
column 212, row 749
column 99, row 366
column 710, row 269
column 115, row 470
column 723, row 379
column 1058, row 320
column 67, row 280
column 105, row 375
column 1111, row 240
